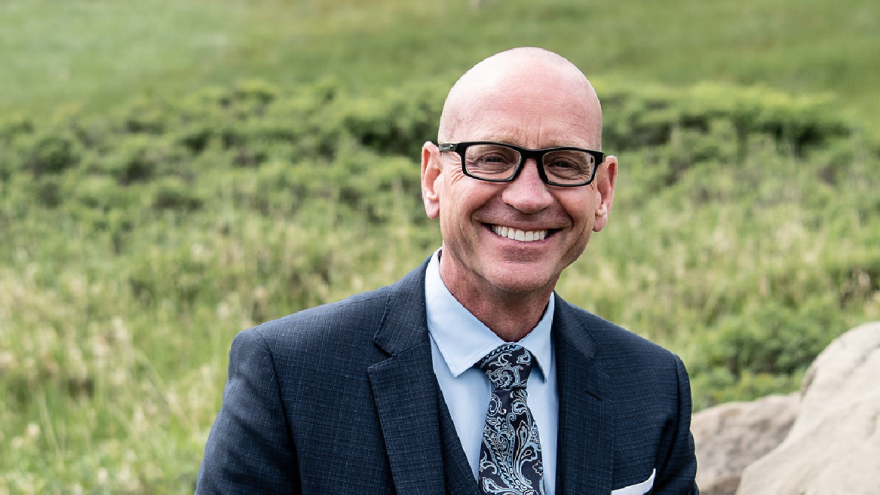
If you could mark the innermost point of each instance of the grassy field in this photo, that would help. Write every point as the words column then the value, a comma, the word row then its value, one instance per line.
column 99, row 52
column 151, row 206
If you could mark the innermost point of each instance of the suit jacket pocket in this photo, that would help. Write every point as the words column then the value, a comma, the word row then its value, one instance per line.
column 638, row 488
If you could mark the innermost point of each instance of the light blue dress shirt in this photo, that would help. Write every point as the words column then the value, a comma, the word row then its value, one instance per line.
column 458, row 341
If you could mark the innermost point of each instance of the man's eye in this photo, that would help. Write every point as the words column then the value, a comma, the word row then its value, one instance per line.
column 562, row 164
column 566, row 166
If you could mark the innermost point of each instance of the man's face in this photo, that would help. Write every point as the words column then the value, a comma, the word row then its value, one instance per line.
column 478, row 218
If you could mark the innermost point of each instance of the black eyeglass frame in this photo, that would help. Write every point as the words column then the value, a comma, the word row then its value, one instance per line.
column 524, row 154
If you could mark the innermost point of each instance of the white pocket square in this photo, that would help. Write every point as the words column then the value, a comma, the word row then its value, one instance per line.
column 638, row 488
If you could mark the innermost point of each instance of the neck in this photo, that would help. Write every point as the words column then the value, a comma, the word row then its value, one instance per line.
column 511, row 316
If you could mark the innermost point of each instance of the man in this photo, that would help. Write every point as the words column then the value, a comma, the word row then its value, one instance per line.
column 470, row 375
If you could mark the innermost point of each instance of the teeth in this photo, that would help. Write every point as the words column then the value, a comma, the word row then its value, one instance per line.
column 520, row 235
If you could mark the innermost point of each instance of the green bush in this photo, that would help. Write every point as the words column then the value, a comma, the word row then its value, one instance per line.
column 50, row 153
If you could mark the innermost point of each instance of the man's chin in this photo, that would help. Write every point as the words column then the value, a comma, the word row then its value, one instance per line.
column 523, row 279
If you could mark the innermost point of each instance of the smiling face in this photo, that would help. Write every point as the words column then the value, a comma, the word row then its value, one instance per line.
column 502, row 239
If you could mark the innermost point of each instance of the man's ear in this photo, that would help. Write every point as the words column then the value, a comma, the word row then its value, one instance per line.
column 431, row 175
column 605, row 180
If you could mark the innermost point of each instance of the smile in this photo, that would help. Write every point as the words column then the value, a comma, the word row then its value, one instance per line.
column 519, row 235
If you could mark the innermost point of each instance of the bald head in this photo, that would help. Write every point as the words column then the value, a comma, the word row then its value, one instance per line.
column 523, row 73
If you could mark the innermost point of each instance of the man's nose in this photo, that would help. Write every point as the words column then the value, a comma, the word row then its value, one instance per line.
column 527, row 193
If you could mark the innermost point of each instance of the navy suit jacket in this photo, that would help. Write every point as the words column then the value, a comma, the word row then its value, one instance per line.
column 343, row 399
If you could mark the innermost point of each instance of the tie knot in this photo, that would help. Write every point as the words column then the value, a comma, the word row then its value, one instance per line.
column 508, row 366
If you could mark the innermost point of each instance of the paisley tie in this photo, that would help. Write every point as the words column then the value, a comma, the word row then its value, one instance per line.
column 510, row 457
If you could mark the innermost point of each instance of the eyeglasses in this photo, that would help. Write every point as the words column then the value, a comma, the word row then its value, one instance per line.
column 498, row 162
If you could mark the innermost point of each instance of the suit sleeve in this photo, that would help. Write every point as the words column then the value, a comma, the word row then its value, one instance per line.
column 249, row 448
column 680, row 470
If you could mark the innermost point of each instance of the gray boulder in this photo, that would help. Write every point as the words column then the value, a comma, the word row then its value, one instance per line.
column 834, row 445
column 731, row 436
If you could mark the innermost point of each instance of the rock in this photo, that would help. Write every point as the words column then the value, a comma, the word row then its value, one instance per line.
column 834, row 445
column 731, row 436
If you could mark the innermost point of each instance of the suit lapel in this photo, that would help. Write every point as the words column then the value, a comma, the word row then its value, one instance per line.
column 406, row 391
column 585, row 450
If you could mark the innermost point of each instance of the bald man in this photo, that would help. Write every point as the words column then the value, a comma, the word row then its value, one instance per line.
column 470, row 375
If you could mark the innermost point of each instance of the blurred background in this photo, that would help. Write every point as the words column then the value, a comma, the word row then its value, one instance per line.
column 172, row 172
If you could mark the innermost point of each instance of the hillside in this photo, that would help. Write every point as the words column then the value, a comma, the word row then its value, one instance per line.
column 140, row 242
column 171, row 173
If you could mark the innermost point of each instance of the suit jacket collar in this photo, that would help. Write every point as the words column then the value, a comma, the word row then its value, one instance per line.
column 404, row 323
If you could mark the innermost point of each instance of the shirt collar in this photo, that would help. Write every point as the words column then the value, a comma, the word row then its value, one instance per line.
column 463, row 339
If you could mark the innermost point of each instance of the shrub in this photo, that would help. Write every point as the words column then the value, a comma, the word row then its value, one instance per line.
column 49, row 153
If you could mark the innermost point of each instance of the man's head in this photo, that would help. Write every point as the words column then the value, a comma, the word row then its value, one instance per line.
column 518, row 67
column 530, row 98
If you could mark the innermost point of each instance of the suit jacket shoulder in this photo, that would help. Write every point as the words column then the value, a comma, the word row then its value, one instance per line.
column 340, row 398
column 323, row 338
